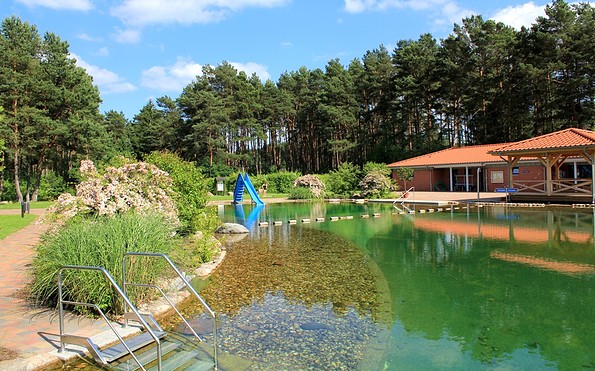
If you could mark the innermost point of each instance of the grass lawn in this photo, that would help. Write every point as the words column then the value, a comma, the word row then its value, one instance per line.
column 33, row 205
column 12, row 223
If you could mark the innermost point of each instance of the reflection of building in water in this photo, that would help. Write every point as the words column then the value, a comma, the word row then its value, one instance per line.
column 501, row 232
column 533, row 236
column 562, row 267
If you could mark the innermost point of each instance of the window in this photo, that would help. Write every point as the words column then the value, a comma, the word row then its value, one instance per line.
column 497, row 176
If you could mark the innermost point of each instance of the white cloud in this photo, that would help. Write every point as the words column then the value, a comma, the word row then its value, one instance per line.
column 452, row 13
column 102, row 52
column 251, row 68
column 143, row 12
column 174, row 78
column 59, row 4
column 359, row 6
column 286, row 44
column 520, row 15
column 107, row 81
column 87, row 37
column 444, row 12
column 171, row 78
column 128, row 36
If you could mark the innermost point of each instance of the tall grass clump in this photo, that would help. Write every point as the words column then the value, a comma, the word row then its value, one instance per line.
column 102, row 242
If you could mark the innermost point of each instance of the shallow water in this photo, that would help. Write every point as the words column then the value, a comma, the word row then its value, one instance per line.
column 467, row 289
column 472, row 289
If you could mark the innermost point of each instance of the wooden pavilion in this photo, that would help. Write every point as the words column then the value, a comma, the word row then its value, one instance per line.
column 561, row 183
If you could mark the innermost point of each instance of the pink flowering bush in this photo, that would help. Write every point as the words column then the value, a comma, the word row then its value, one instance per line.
column 136, row 186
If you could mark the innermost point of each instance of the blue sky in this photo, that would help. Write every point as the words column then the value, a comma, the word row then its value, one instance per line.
column 138, row 50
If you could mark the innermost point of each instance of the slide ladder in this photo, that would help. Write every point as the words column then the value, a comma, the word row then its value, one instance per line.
column 243, row 183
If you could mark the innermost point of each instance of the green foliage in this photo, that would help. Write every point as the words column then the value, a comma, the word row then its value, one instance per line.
column 189, row 185
column 375, row 166
column 98, row 242
column 202, row 246
column 51, row 106
column 301, row 193
column 52, row 186
column 8, row 192
column 375, row 184
column 343, row 182
column 12, row 223
column 405, row 173
column 281, row 182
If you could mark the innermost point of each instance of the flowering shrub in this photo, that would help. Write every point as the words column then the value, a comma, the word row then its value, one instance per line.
column 138, row 186
column 375, row 184
column 312, row 182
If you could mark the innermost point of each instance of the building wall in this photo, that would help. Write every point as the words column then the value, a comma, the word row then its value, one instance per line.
column 494, row 176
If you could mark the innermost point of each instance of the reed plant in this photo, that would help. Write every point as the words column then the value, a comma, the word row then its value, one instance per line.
column 100, row 241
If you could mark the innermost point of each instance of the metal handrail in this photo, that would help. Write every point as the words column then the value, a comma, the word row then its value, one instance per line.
column 127, row 302
column 211, row 313
column 403, row 196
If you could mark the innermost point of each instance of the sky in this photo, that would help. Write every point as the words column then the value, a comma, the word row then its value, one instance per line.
column 138, row 50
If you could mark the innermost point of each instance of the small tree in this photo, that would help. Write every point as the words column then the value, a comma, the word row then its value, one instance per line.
column 405, row 173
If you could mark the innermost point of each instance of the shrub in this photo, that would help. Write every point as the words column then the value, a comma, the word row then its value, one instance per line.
column 301, row 193
column 189, row 185
column 51, row 186
column 376, row 166
column 9, row 192
column 344, row 181
column 310, row 182
column 375, row 184
column 281, row 182
column 139, row 186
column 100, row 242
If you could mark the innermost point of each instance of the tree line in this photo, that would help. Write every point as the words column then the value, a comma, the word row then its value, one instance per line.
column 484, row 83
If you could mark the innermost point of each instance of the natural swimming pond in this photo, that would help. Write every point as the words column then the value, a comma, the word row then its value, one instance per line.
column 474, row 288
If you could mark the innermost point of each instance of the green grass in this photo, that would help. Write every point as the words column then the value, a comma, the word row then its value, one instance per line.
column 33, row 205
column 12, row 223
column 100, row 242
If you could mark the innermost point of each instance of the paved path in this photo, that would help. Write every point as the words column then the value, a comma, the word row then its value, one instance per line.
column 31, row 332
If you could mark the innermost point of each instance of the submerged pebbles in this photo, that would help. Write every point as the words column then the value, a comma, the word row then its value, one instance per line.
column 319, row 309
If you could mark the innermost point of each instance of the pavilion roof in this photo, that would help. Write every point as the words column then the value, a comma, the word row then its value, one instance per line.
column 563, row 140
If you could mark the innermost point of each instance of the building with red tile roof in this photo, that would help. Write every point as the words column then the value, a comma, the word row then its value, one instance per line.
column 559, row 163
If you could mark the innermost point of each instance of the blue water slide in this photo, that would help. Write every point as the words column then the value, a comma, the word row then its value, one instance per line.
column 243, row 183
column 251, row 191
column 238, row 192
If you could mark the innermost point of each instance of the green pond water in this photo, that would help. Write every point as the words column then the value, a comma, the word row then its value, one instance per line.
column 475, row 288
column 468, row 289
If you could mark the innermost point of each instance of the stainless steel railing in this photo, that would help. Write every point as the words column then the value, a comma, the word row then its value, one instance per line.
column 208, row 309
column 127, row 303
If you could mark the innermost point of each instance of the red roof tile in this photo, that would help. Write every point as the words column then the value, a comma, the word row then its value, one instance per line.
column 454, row 156
column 562, row 139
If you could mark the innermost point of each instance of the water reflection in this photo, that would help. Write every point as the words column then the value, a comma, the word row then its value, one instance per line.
column 499, row 287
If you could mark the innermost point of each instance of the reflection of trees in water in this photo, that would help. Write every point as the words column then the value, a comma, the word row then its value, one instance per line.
column 449, row 286
column 310, row 267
